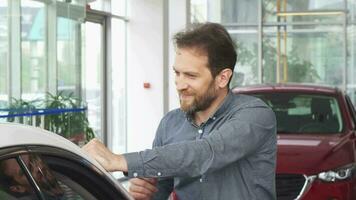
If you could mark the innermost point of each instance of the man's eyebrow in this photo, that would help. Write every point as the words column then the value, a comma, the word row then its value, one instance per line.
column 187, row 72
column 192, row 73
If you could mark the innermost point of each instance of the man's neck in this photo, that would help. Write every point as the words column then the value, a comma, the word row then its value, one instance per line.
column 202, row 116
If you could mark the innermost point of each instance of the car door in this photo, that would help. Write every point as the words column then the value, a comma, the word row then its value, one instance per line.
column 41, row 172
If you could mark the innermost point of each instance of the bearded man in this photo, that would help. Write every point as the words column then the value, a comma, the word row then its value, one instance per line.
column 217, row 145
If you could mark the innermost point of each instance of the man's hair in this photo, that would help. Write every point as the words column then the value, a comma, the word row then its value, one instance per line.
column 211, row 39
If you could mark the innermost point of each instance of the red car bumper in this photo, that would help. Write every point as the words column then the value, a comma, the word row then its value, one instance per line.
column 343, row 190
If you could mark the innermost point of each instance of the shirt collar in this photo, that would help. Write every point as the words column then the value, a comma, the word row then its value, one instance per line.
column 224, row 106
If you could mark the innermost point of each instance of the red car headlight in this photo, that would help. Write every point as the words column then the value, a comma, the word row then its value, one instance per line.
column 339, row 174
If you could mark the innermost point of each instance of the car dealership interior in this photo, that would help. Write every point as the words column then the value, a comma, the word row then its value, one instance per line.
column 103, row 69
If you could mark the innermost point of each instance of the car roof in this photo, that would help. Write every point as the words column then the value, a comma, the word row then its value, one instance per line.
column 13, row 134
column 287, row 87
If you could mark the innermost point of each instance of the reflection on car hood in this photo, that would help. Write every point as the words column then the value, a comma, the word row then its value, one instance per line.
column 311, row 154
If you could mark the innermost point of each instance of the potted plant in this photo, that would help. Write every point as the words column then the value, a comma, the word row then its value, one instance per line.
column 71, row 121
column 61, row 114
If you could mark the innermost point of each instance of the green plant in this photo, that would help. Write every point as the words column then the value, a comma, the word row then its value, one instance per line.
column 18, row 107
column 67, row 124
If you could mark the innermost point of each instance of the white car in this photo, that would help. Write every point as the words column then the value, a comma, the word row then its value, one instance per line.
column 37, row 164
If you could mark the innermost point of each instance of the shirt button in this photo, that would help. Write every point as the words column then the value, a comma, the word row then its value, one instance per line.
column 135, row 174
column 201, row 180
column 159, row 174
column 214, row 118
column 200, row 131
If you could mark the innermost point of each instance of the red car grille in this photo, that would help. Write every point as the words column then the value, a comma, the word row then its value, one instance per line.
column 289, row 186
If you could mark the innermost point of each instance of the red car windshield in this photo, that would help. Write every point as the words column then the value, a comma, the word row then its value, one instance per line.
column 304, row 113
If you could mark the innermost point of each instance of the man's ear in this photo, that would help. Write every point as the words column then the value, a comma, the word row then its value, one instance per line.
column 222, row 79
column 18, row 188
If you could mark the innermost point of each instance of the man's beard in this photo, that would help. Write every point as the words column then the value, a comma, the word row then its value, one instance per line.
column 200, row 102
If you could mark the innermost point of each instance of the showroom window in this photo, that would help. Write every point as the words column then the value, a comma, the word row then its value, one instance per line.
column 56, row 54
column 33, row 50
column 308, row 41
column 4, row 54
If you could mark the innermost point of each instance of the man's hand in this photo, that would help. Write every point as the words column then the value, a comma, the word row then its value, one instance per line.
column 143, row 189
column 110, row 161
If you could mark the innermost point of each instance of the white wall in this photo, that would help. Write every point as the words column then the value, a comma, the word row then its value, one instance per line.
column 145, row 63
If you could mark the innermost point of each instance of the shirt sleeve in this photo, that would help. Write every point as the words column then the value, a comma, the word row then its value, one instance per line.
column 240, row 136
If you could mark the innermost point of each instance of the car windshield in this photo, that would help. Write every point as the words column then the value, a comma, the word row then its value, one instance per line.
column 304, row 113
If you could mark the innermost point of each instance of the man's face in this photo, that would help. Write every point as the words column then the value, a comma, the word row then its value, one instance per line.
column 194, row 82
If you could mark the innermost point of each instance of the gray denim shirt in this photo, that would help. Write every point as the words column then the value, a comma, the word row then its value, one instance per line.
column 230, row 156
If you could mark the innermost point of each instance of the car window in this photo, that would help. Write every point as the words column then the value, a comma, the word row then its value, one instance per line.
column 14, row 184
column 40, row 172
column 83, row 178
column 52, row 185
column 304, row 113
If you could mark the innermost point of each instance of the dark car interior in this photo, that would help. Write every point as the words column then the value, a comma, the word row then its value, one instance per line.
column 301, row 113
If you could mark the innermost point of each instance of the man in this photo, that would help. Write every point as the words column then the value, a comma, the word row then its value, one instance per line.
column 218, row 145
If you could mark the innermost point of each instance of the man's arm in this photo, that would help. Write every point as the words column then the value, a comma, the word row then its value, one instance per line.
column 239, row 137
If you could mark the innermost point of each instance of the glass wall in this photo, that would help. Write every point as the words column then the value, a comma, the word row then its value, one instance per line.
column 33, row 50
column 47, row 43
column 351, row 49
column 68, row 56
column 247, row 41
column 199, row 10
column 4, row 54
column 93, row 74
column 304, row 41
column 40, row 59
column 60, row 53
column 115, row 7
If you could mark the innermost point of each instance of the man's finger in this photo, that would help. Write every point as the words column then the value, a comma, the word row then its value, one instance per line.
column 141, row 190
column 153, row 181
column 143, row 183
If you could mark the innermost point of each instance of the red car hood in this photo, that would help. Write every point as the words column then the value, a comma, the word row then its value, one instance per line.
column 312, row 154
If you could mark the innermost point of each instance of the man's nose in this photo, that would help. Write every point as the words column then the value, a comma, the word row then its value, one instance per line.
column 180, row 84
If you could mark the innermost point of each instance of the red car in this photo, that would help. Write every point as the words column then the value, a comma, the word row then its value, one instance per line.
column 316, row 140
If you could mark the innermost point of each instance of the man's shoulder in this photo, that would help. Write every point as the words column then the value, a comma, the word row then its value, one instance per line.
column 243, row 100
column 175, row 114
